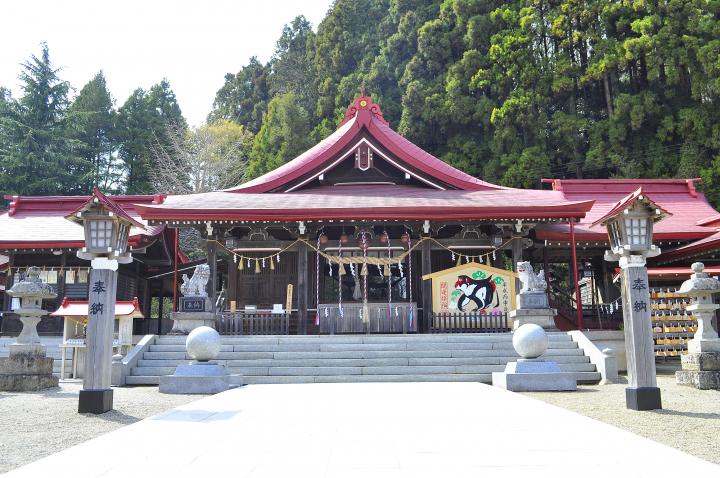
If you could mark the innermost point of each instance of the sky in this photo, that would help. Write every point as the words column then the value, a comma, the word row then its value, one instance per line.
column 138, row 43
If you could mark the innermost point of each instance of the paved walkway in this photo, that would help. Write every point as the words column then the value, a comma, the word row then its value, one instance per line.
column 369, row 430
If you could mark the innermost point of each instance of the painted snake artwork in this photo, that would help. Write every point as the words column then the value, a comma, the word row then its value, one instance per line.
column 479, row 291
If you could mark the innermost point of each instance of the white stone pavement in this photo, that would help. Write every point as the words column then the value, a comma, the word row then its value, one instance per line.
column 369, row 430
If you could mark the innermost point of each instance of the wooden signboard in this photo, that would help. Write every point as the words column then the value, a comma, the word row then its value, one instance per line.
column 473, row 287
column 288, row 299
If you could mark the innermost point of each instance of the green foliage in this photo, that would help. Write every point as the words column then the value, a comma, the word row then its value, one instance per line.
column 515, row 90
column 244, row 96
column 37, row 155
column 94, row 129
column 142, row 125
column 284, row 135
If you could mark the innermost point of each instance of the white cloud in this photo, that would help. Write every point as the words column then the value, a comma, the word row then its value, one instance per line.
column 136, row 43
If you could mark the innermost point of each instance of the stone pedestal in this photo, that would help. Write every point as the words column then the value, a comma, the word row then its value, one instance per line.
column 201, row 378
column 26, row 371
column 185, row 322
column 700, row 370
column 701, row 365
column 534, row 299
column 545, row 318
column 534, row 375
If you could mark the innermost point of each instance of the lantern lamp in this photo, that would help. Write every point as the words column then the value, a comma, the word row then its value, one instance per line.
column 630, row 226
column 107, row 228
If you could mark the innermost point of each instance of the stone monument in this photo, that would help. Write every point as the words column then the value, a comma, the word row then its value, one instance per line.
column 701, row 365
column 28, row 368
column 203, row 375
column 195, row 307
column 531, row 373
column 532, row 301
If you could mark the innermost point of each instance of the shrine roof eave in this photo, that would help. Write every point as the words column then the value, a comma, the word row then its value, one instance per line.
column 576, row 210
column 136, row 241
column 313, row 160
column 563, row 234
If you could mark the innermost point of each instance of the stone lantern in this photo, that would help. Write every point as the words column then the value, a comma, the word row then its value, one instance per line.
column 107, row 228
column 28, row 368
column 630, row 226
column 701, row 365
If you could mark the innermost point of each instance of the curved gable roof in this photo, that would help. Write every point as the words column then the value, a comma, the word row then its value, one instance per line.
column 363, row 113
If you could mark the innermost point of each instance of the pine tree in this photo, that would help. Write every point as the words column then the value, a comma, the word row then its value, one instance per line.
column 37, row 156
column 95, row 115
column 142, row 125
column 283, row 136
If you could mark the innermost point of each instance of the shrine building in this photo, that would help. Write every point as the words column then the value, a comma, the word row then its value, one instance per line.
column 338, row 240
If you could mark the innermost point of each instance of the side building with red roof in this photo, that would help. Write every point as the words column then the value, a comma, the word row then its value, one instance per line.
column 34, row 232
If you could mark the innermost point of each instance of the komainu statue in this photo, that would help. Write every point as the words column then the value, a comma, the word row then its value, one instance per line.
column 531, row 282
column 195, row 286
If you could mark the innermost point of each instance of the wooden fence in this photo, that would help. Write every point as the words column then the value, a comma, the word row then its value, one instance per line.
column 462, row 322
column 244, row 323
column 384, row 318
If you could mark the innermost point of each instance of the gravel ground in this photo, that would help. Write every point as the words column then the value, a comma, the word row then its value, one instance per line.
column 689, row 420
column 37, row 424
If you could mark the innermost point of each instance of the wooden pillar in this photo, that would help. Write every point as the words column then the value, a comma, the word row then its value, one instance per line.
column 161, row 306
column 516, row 246
column 302, row 289
column 426, row 268
column 7, row 300
column 96, row 395
column 212, row 264
column 232, row 281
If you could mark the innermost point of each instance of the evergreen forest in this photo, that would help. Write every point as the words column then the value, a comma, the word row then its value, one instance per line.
column 510, row 91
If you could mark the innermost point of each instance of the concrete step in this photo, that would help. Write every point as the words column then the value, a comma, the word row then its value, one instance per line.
column 359, row 354
column 359, row 370
column 356, row 362
column 358, row 339
column 332, row 347
column 583, row 377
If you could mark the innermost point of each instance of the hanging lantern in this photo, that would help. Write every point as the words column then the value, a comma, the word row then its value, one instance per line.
column 343, row 238
column 323, row 238
column 384, row 237
column 405, row 237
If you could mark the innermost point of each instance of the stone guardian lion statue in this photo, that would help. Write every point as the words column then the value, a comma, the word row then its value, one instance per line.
column 195, row 286
column 531, row 282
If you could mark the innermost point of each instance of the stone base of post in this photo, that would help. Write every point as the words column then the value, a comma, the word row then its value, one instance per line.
column 643, row 398
column 95, row 401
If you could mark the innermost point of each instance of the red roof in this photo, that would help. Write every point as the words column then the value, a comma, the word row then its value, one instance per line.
column 279, row 195
column 79, row 308
column 628, row 201
column 39, row 222
column 663, row 272
column 370, row 202
column 675, row 196
column 363, row 115
column 702, row 246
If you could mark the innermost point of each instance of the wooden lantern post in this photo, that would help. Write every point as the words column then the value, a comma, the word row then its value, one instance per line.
column 630, row 226
column 107, row 228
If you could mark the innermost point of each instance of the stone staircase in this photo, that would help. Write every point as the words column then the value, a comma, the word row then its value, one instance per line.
column 361, row 358
column 53, row 350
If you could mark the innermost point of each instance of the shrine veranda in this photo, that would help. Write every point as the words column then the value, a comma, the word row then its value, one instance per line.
column 338, row 240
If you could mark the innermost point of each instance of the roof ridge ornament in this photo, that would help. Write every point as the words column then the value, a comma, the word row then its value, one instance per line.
column 363, row 103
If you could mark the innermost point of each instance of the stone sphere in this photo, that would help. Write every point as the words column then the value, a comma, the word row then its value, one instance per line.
column 203, row 344
column 530, row 341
